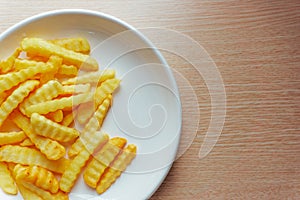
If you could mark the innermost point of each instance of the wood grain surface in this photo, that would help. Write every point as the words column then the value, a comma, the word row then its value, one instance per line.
column 255, row 45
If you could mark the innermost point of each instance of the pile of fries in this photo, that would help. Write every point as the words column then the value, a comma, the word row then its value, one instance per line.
column 41, row 96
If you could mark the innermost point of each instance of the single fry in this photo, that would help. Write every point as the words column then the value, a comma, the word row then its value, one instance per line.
column 12, row 79
column 12, row 137
column 118, row 166
column 16, row 98
column 8, row 64
column 45, row 127
column 24, row 64
column 38, row 176
column 46, row 92
column 102, row 160
column 30, row 156
column 43, row 193
column 92, row 77
column 50, row 148
column 7, row 183
column 78, row 44
column 86, row 111
column 42, row 47
column 76, row 89
column 69, row 176
column 58, row 104
column 69, row 70
column 90, row 129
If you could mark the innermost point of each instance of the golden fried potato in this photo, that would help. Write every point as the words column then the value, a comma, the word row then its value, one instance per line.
column 69, row 176
column 91, row 127
column 46, row 92
column 38, row 176
column 12, row 137
column 8, row 64
column 16, row 98
column 118, row 166
column 78, row 44
column 93, row 77
column 7, row 183
column 47, row 128
column 102, row 160
column 44, row 48
column 30, row 156
column 50, row 148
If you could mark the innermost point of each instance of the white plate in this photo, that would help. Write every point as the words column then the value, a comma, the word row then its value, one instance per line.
column 146, row 108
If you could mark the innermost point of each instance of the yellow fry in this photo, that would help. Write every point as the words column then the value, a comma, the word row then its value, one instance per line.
column 11, row 137
column 76, row 89
column 27, row 194
column 56, row 62
column 107, row 87
column 12, row 79
column 102, row 160
column 45, row 127
column 58, row 104
column 90, row 129
column 46, row 92
column 30, row 156
column 86, row 112
column 27, row 143
column 69, row 70
column 42, row 47
column 7, row 183
column 69, row 118
column 118, row 166
column 16, row 98
column 78, row 44
column 24, row 64
column 43, row 193
column 70, row 175
column 38, row 176
column 50, row 148
column 8, row 64
column 91, row 77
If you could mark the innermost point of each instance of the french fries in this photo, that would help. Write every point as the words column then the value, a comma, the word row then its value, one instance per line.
column 44, row 48
column 50, row 148
column 29, row 156
column 6, row 180
column 115, row 170
column 45, row 127
column 42, row 96
column 90, row 129
column 102, row 160
column 38, row 176
column 16, row 98
column 12, row 137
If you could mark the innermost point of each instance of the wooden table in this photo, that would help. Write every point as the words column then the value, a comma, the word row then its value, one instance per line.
column 255, row 45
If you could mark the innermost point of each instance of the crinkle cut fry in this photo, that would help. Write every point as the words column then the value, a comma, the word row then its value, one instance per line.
column 118, row 166
column 16, row 98
column 6, row 180
column 50, row 148
column 42, row 47
column 102, row 160
column 91, row 127
column 70, row 175
column 30, row 156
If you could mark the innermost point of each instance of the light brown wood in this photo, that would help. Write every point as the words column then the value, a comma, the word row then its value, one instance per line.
column 255, row 45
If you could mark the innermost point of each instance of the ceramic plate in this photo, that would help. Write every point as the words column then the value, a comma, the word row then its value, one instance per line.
column 146, row 108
